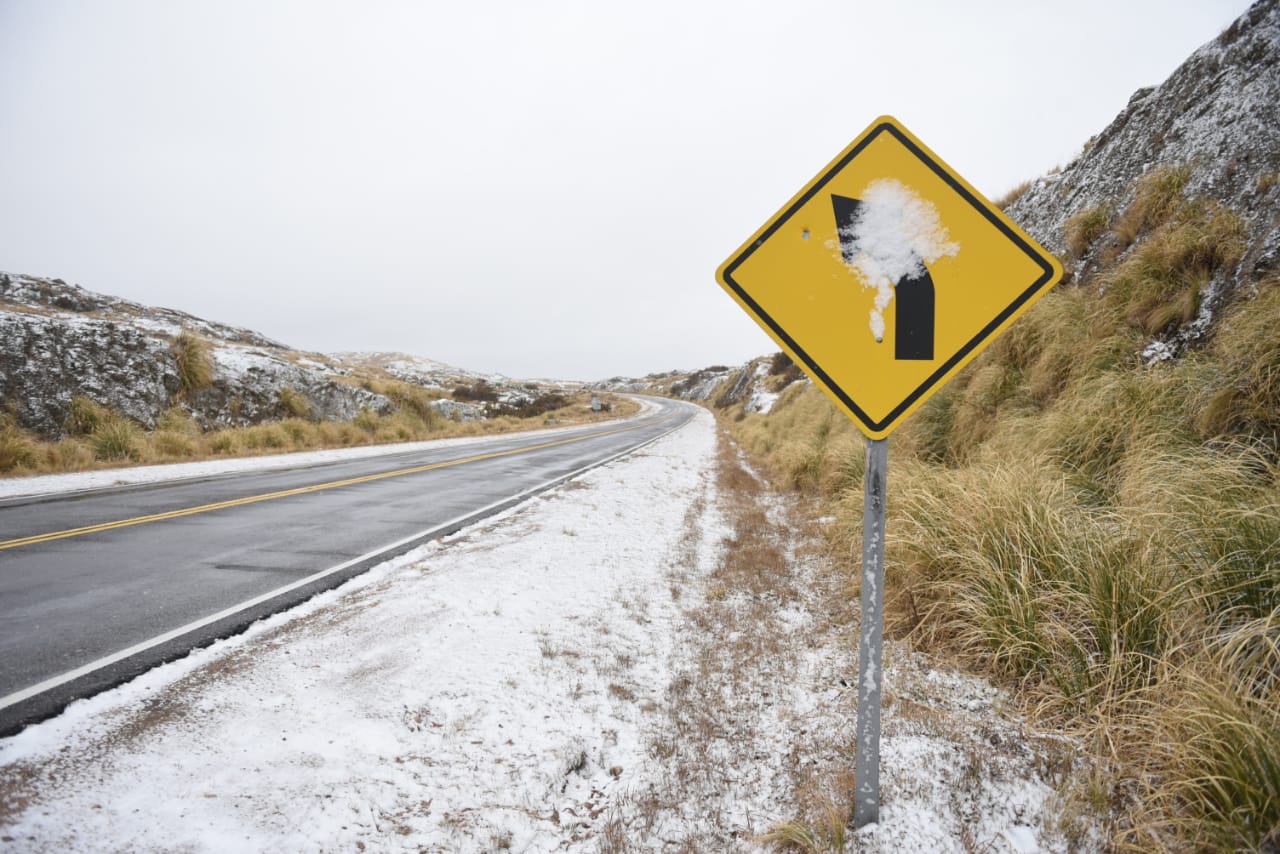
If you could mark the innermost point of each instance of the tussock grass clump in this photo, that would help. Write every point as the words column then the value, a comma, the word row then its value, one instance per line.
column 1086, row 227
column 1217, row 739
column 223, row 443
column 1110, row 415
column 175, row 419
column 811, row 837
column 294, row 404
column 414, row 400
column 1159, row 284
column 85, row 415
column 366, row 419
column 170, row 445
column 1012, row 196
column 265, row 437
column 1007, row 568
column 1158, row 194
column 1247, row 352
column 117, row 439
column 823, row 455
column 194, row 363
column 17, row 450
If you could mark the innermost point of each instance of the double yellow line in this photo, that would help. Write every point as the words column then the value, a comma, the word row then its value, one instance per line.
column 301, row 490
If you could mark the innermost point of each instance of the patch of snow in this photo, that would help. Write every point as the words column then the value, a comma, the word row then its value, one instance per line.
column 761, row 400
column 1157, row 351
column 234, row 361
column 897, row 232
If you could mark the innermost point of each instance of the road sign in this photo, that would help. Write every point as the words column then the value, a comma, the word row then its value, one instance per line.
column 885, row 275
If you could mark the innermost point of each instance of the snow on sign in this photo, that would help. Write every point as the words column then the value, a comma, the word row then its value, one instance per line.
column 885, row 275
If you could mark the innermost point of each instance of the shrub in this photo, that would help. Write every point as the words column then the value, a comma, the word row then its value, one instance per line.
column 540, row 405
column 782, row 366
column 478, row 392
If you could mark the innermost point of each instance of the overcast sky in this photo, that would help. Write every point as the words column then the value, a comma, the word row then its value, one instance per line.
column 533, row 188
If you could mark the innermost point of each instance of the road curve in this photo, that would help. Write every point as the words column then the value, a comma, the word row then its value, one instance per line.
column 98, row 587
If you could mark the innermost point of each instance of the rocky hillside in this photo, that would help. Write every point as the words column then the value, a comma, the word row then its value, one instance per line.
column 59, row 341
column 1217, row 118
column 756, row 385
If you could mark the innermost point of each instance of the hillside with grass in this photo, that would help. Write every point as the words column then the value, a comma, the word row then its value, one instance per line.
column 1090, row 512
column 91, row 381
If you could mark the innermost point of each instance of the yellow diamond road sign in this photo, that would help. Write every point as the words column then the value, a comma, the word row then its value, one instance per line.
column 886, row 275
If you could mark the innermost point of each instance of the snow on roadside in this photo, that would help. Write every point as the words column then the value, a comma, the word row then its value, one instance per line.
column 594, row 670
column 467, row 696
column 48, row 484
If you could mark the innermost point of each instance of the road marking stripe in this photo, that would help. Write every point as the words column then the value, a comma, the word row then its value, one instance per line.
column 286, row 493
column 173, row 634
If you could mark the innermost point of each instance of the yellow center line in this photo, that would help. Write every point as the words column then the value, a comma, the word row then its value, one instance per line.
column 301, row 490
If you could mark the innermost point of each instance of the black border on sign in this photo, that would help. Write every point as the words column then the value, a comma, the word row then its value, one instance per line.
column 984, row 333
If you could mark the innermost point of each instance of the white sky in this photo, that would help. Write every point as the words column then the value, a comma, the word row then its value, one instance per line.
column 534, row 188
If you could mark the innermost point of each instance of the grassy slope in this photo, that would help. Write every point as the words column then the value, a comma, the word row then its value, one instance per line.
column 1101, row 535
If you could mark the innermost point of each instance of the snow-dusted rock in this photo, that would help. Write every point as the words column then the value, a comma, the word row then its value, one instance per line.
column 1217, row 113
column 59, row 341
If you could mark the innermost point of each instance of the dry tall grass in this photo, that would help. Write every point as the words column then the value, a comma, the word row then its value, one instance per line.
column 1100, row 535
column 98, row 437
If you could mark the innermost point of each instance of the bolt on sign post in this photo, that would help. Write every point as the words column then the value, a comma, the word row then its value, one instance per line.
column 883, row 277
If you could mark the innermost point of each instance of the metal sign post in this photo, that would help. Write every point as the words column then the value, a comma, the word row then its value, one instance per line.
column 866, row 764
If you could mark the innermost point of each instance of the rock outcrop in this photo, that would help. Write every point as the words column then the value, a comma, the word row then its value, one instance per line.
column 1218, row 115
column 59, row 341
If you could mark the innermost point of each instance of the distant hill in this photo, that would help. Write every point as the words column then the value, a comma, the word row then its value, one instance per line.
column 60, row 342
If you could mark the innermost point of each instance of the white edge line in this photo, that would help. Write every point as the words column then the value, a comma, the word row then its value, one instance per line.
column 106, row 661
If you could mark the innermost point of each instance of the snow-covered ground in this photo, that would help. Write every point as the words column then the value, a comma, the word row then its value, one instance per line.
column 526, row 685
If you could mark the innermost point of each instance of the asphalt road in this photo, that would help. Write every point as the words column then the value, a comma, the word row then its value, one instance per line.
column 97, row 587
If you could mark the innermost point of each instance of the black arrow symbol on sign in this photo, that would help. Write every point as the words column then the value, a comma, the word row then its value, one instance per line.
column 913, row 295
